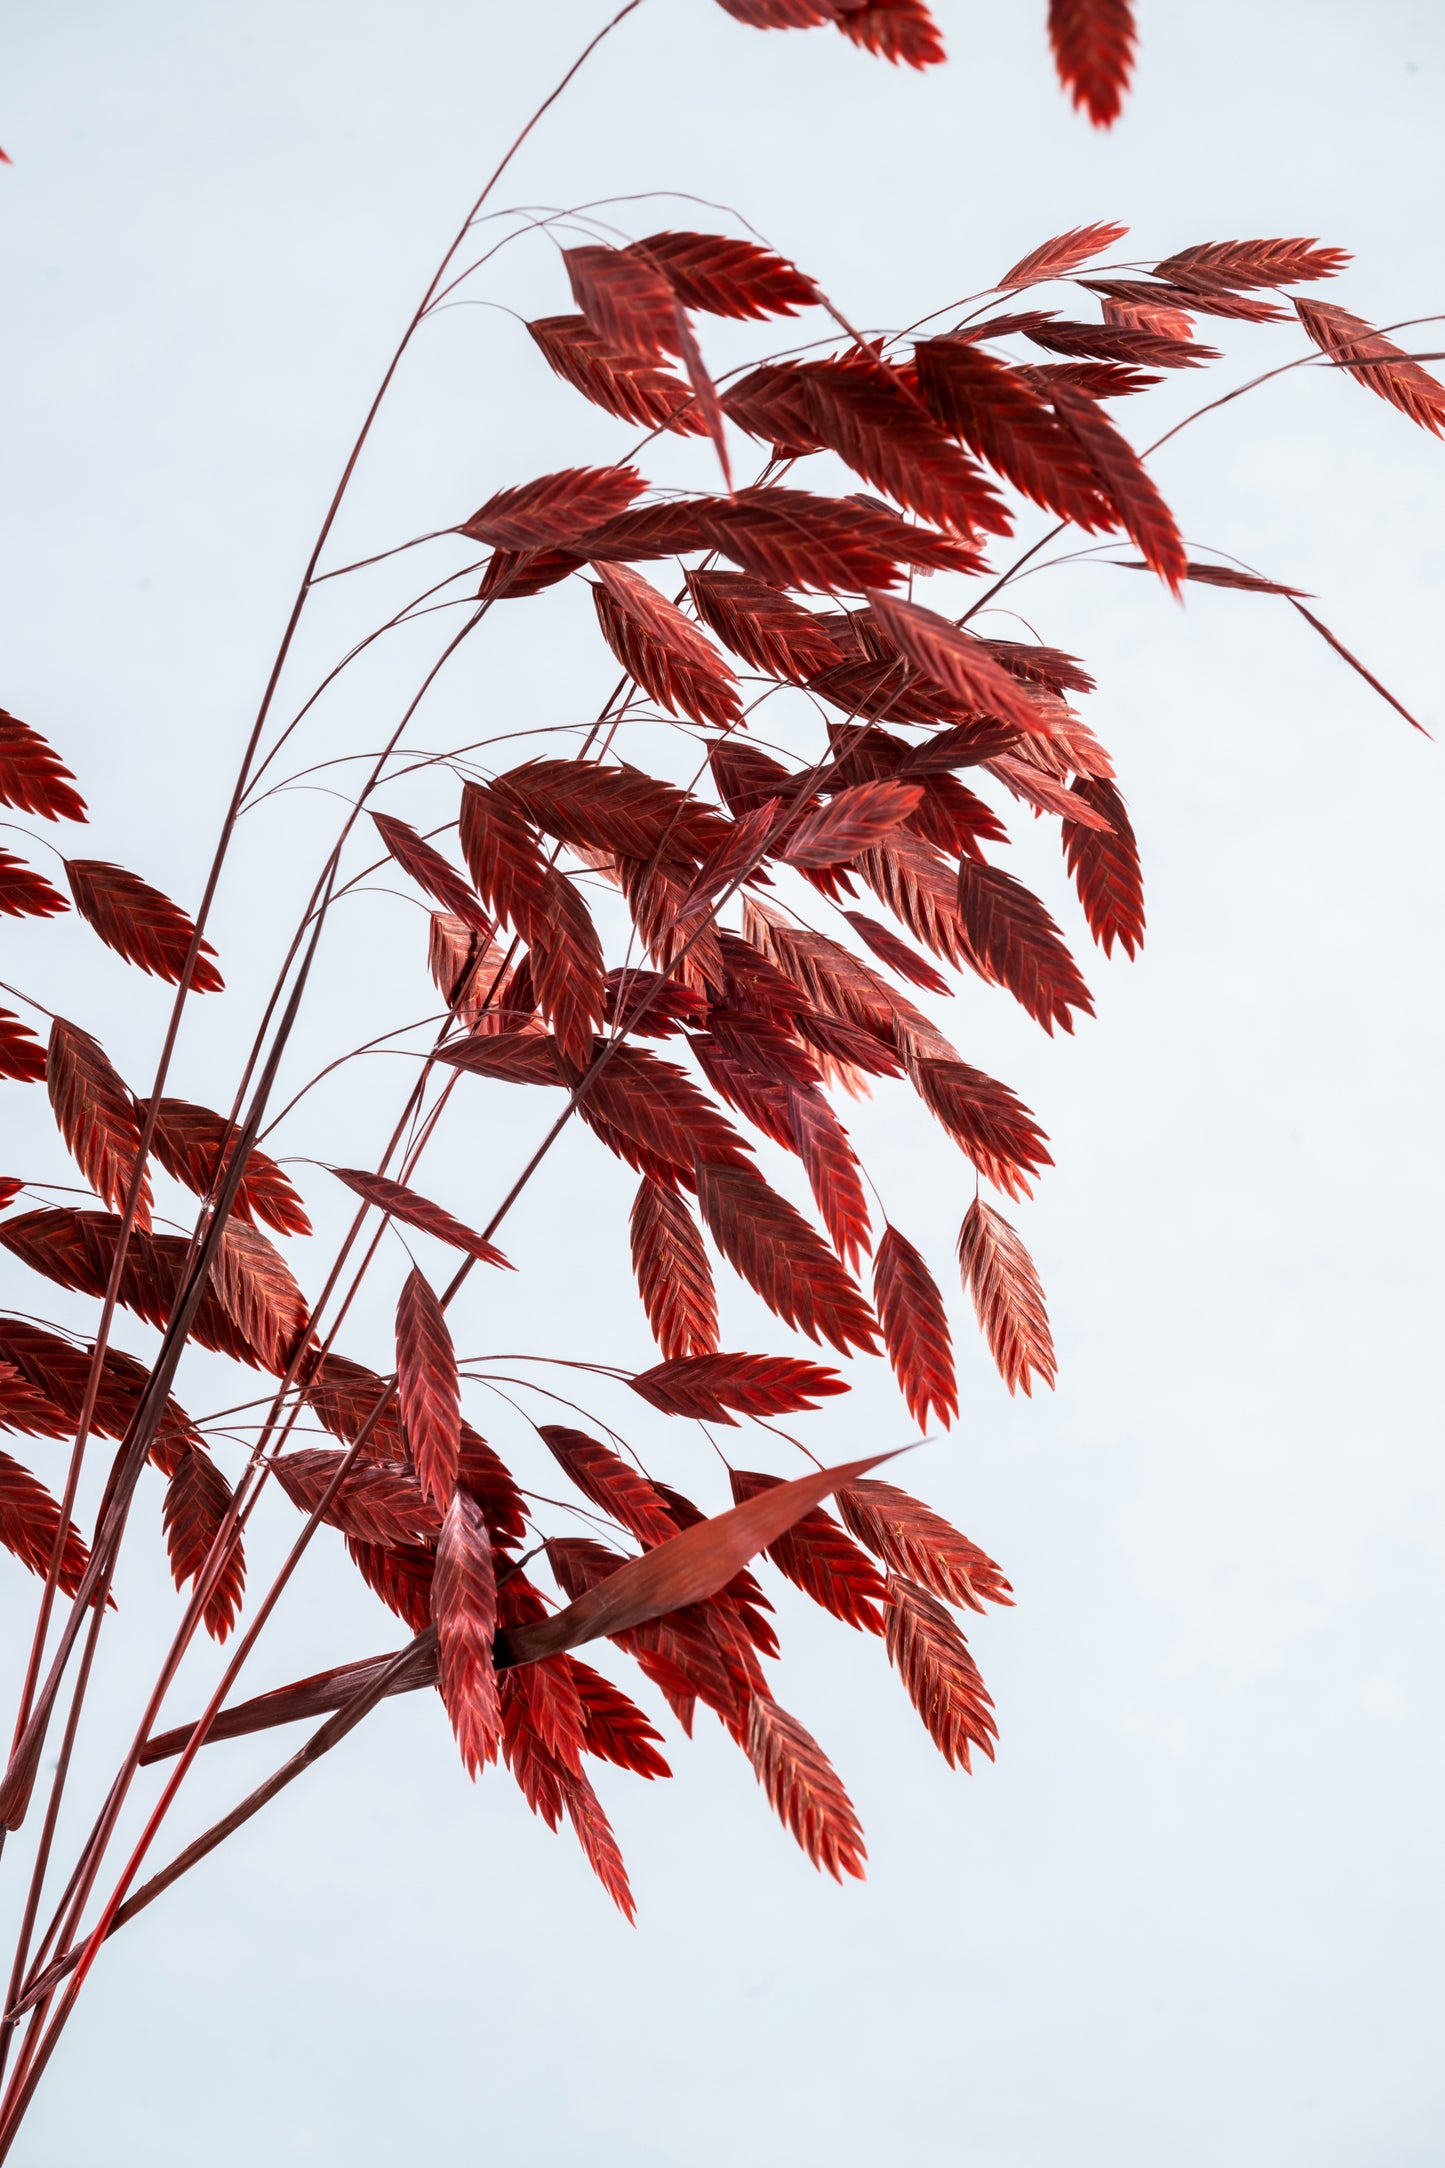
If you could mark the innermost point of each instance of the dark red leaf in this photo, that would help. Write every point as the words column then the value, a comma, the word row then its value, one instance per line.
column 1093, row 42
column 615, row 1488
column 430, row 871
column 22, row 1057
column 464, row 1605
column 191, row 1144
column 1376, row 362
column 920, row 1544
column 628, row 303
column 915, row 1329
column 1057, row 258
column 1003, row 417
column 804, row 1791
column 29, row 1520
column 902, row 31
column 96, row 1116
column 662, row 649
column 1015, row 942
column 401, row 1575
column 724, row 276
column 511, row 575
column 139, row 923
column 775, row 1250
column 635, row 391
column 885, row 433
column 347, row 1398
column 32, row 777
column 611, row 807
column 428, row 1389
column 818, row 1558
column 24, row 893
column 995, row 1129
column 555, row 508
column 706, row 1386
column 932, row 1658
column 1142, row 511
column 595, row 1835
column 853, row 821
column 1293, row 262
column 401, row 1203
column 999, row 1274
column 891, row 950
column 253, row 1284
column 833, row 1174
column 197, row 1499
column 954, row 660
column 1113, row 343
column 379, row 1502
column 1106, row 869
column 683, row 1571
column 544, row 908
column 613, row 1727
column 766, row 628
column 673, row 1274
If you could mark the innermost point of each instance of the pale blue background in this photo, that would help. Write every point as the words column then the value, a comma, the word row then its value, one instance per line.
column 1194, row 1915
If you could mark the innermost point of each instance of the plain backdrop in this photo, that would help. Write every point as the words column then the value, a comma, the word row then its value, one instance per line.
column 1193, row 1915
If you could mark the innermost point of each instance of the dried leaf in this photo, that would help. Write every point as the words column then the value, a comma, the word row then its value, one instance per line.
column 853, row 821
column 804, row 1790
column 555, row 508
column 932, row 1658
column 706, row 1386
column 1093, row 43
column 255, row 1288
column 464, row 1605
column 428, row 1389
column 611, row 807
column 404, row 1204
column 915, row 1329
column 379, row 1502
column 1376, row 362
column 604, row 1477
column 613, row 1727
column 891, row 950
column 999, row 1274
column 96, row 1116
column 628, row 303
column 32, row 777
column 994, row 1127
column 635, row 391
column 902, row 31
column 1106, row 869
column 954, row 660
column 139, row 923
column 22, row 1057
column 818, row 1558
column 673, row 1274
column 913, row 1540
column 1253, row 263
column 884, row 432
column 546, row 911
column 1142, row 511
column 1014, row 941
column 821, row 1142
column 1057, row 258
column 684, row 1571
column 24, row 893
column 1007, row 420
column 191, row 1144
column 197, row 1499
column 430, row 871
column 724, row 276
column 662, row 649
column 775, row 1250
column 766, row 628
column 29, row 1520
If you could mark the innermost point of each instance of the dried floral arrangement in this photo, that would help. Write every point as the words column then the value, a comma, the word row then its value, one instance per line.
column 694, row 964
